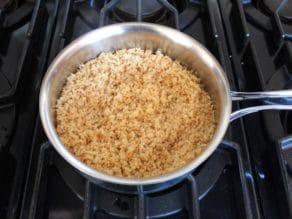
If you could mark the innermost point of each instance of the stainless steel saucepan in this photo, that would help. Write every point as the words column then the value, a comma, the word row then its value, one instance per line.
column 179, row 47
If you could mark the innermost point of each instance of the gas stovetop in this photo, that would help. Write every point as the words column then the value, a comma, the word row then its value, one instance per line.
column 248, row 176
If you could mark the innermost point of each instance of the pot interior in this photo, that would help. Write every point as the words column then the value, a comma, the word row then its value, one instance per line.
column 170, row 42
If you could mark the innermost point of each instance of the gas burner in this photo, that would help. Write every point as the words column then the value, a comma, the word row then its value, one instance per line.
column 283, row 7
column 126, row 10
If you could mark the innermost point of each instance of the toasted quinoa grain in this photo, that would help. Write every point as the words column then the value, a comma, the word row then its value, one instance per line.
column 134, row 113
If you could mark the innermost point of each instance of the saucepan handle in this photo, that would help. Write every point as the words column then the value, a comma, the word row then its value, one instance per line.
column 274, row 100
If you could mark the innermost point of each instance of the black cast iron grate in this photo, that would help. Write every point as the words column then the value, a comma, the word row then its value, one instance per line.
column 24, row 44
column 252, row 41
column 260, row 44
column 83, row 199
column 224, row 182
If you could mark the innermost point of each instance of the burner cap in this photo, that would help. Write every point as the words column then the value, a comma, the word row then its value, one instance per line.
column 126, row 10
column 284, row 7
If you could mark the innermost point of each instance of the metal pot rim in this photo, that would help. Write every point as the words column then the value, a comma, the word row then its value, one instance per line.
column 93, row 174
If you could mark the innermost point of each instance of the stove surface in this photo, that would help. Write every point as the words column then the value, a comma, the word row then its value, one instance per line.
column 248, row 176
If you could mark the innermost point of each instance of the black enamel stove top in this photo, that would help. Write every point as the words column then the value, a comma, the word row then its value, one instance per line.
column 248, row 176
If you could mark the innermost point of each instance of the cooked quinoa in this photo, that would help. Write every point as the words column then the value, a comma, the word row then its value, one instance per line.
column 134, row 113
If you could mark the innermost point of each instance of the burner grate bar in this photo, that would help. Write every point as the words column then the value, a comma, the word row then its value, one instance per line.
column 41, row 173
column 284, row 153
column 140, row 203
column 64, row 23
column 250, row 206
column 139, row 10
column 89, row 201
column 193, row 198
column 35, row 14
column 173, row 10
column 243, row 34
column 105, row 10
